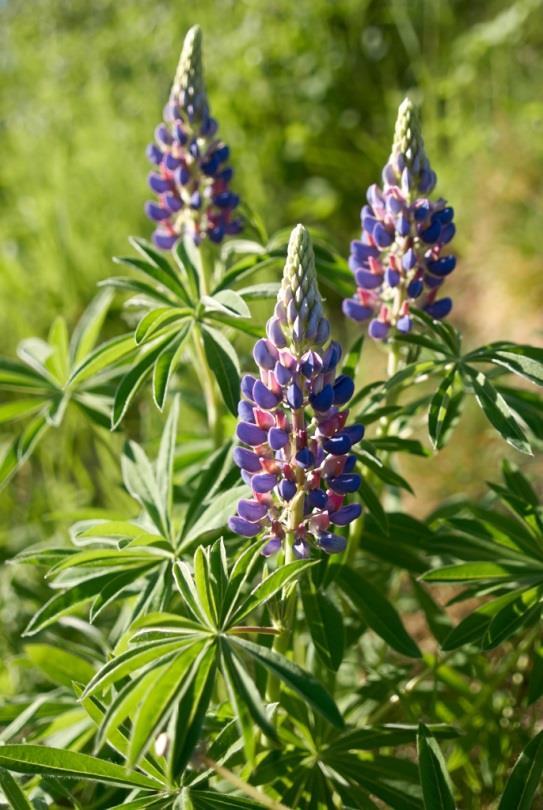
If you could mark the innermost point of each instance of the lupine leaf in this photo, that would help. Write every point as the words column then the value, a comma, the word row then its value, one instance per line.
column 130, row 661
column 133, row 379
column 480, row 570
column 377, row 612
column 166, row 364
column 373, row 504
column 71, row 765
column 13, row 792
column 325, row 624
column 215, row 516
column 167, row 278
column 211, row 800
column 224, row 364
column 87, row 329
column 60, row 666
column 65, row 603
column 229, row 302
column 210, row 477
column 297, row 679
column 157, row 703
column 269, row 586
column 498, row 412
column 189, row 715
column 117, row 740
column 439, row 408
column 436, row 786
column 105, row 355
column 21, row 448
column 523, row 783
column 514, row 615
column 246, row 703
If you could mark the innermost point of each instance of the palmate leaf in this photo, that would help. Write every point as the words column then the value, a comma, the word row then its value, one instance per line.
column 523, row 783
column 38, row 759
column 436, row 786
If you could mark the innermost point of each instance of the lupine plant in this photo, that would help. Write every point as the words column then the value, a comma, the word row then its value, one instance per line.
column 240, row 630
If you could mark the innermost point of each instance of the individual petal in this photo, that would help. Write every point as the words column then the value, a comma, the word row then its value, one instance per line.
column 265, row 354
column 324, row 400
column 252, row 510
column 439, row 309
column 354, row 432
column 246, row 459
column 378, row 330
column 343, row 389
column 331, row 543
column 355, row 310
column 247, row 385
column 346, row 514
column 277, row 438
column 271, row 547
column 263, row 397
column 250, row 434
column 244, row 527
column 295, row 397
column 287, row 489
column 347, row 482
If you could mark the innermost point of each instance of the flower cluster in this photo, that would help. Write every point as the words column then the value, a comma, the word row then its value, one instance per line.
column 296, row 443
column 191, row 178
column 398, row 259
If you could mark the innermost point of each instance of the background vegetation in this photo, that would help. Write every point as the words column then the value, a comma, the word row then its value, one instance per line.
column 306, row 94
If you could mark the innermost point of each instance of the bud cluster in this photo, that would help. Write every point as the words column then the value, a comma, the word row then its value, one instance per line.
column 398, row 261
column 191, row 175
column 295, row 453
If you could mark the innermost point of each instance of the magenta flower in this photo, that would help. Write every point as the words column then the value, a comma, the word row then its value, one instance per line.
column 191, row 177
column 295, row 441
column 401, row 256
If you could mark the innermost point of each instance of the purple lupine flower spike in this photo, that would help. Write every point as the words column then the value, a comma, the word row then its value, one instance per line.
column 402, row 256
column 297, row 455
column 190, row 172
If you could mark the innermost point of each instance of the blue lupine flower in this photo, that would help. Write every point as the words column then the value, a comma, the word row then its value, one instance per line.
column 190, row 175
column 298, row 459
column 398, row 260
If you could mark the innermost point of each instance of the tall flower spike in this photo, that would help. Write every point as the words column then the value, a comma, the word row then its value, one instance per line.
column 191, row 177
column 295, row 443
column 398, row 259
